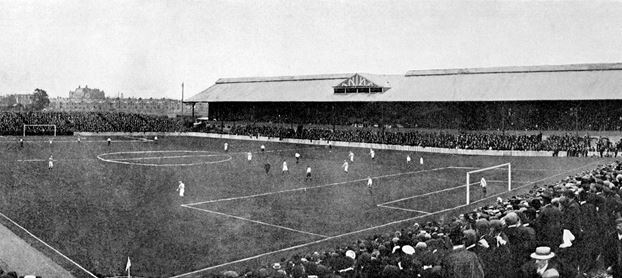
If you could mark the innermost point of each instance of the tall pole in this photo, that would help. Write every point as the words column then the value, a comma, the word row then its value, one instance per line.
column 182, row 98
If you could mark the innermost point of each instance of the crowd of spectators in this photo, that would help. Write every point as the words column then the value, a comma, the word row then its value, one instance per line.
column 571, row 228
column 574, row 145
column 12, row 123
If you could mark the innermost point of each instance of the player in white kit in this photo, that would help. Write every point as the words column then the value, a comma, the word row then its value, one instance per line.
column 226, row 147
column 345, row 166
column 483, row 184
column 297, row 155
column 50, row 162
column 181, row 188
column 285, row 169
column 249, row 156
column 408, row 159
column 372, row 153
column 351, row 154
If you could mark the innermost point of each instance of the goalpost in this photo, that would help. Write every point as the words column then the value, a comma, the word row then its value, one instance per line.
column 40, row 129
column 497, row 169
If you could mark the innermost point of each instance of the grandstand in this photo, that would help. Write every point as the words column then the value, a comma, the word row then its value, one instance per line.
column 103, row 203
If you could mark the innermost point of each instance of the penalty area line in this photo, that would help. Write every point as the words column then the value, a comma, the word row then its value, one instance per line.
column 255, row 221
column 404, row 209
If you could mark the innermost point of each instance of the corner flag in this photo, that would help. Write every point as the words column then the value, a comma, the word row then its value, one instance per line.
column 127, row 266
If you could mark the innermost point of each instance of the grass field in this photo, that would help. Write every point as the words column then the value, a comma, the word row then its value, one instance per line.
column 101, row 204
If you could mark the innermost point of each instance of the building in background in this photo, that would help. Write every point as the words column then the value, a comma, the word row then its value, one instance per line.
column 15, row 101
column 94, row 100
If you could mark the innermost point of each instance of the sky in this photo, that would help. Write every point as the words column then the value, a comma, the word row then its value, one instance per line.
column 148, row 48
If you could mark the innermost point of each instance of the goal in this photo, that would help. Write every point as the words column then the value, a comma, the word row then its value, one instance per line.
column 39, row 130
column 494, row 176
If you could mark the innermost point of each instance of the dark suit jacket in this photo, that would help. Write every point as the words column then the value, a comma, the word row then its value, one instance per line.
column 462, row 263
column 548, row 227
column 613, row 254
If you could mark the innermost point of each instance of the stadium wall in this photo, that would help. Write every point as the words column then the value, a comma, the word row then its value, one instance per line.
column 334, row 143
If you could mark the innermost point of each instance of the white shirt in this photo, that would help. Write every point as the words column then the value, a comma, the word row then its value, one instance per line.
column 226, row 146
column 421, row 161
column 297, row 155
column 345, row 165
column 181, row 186
column 541, row 270
column 308, row 169
column 284, row 166
column 408, row 158
column 250, row 156
column 263, row 147
column 483, row 182
column 369, row 182
column 351, row 156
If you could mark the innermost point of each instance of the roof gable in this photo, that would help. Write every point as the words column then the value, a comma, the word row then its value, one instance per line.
column 357, row 80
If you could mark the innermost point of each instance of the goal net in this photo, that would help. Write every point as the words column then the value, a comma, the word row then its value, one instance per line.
column 496, row 179
column 34, row 130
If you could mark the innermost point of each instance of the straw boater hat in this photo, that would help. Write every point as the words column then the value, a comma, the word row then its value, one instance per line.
column 543, row 253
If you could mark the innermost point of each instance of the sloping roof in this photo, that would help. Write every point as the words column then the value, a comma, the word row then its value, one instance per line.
column 564, row 82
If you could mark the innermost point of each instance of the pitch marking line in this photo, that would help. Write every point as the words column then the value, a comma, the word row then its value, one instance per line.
column 517, row 169
column 404, row 209
column 47, row 245
column 120, row 161
column 256, row 221
column 166, row 157
column 370, row 228
column 442, row 190
column 311, row 187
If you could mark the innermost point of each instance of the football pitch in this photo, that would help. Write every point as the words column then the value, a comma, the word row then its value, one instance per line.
column 101, row 203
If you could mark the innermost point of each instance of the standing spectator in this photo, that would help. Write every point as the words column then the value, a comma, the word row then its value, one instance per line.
column 548, row 224
column 462, row 262
column 519, row 240
column 613, row 251
column 501, row 257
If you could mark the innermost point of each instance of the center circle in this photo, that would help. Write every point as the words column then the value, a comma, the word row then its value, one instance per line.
column 164, row 158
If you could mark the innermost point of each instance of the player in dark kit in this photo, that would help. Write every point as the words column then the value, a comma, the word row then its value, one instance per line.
column 267, row 167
